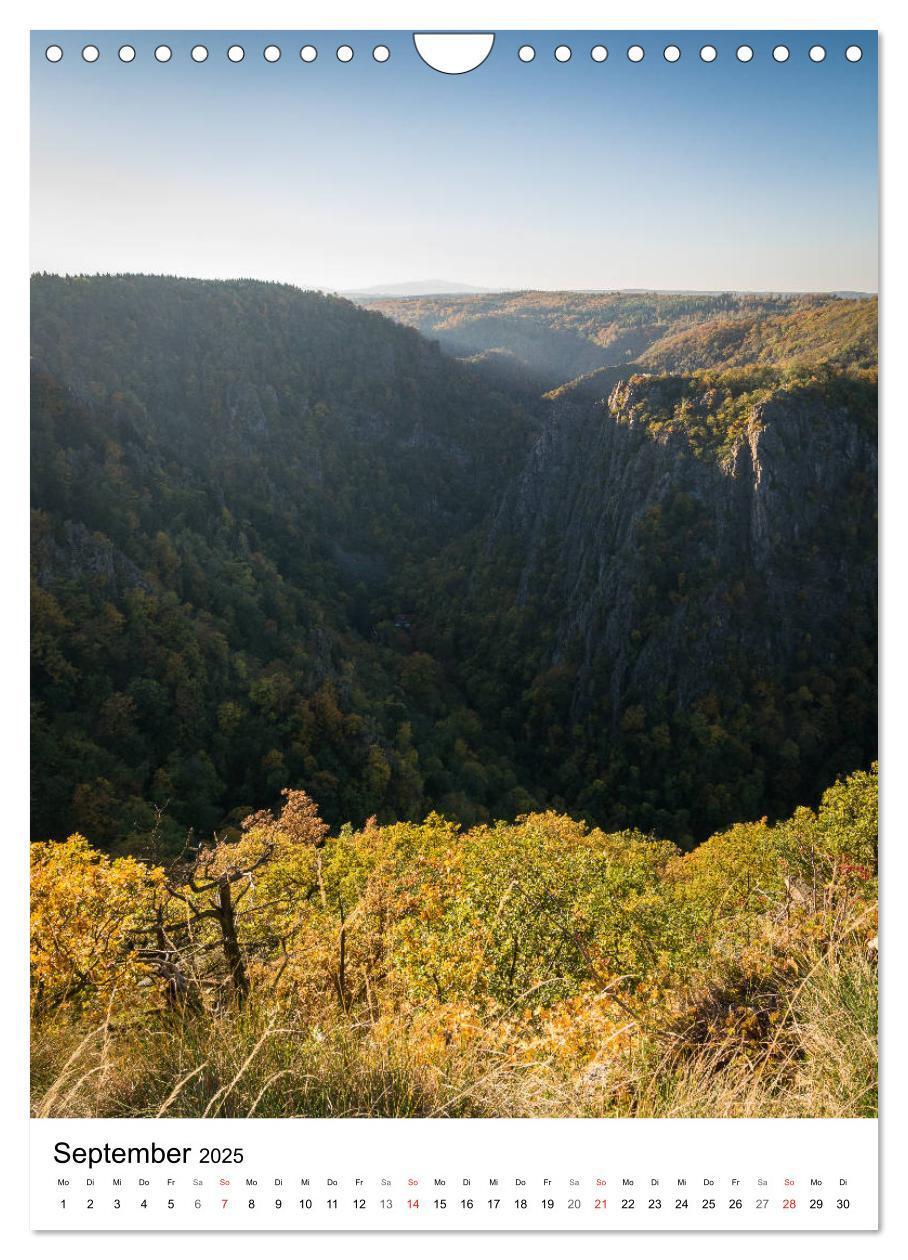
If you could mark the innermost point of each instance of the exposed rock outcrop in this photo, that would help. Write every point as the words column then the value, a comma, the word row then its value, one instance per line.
column 663, row 566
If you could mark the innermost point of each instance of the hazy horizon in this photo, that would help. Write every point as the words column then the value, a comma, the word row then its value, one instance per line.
column 344, row 177
column 464, row 290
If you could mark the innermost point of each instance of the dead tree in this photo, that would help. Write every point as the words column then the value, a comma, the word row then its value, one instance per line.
column 164, row 954
column 210, row 895
column 212, row 884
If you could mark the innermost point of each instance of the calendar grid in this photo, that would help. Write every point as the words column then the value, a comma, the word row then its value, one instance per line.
column 437, row 1175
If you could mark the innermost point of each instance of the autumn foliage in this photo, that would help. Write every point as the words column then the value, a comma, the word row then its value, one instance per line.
column 534, row 967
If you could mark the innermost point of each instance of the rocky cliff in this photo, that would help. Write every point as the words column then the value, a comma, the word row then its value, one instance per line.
column 748, row 554
column 676, row 603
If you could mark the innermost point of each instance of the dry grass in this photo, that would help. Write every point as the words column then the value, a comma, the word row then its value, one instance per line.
column 819, row 1060
column 738, row 980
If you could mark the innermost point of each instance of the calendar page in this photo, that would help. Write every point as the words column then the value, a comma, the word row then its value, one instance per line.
column 454, row 616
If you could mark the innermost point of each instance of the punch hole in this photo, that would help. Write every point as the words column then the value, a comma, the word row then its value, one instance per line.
column 308, row 53
column 854, row 52
column 345, row 53
column 562, row 53
column 453, row 52
column 635, row 53
column 672, row 53
column 126, row 53
column 381, row 52
column 54, row 53
column 745, row 53
column 708, row 53
column 162, row 53
column 599, row 52
column 236, row 53
column 526, row 52
column 199, row 53
column 90, row 53
column 817, row 53
column 780, row 53
column 272, row 53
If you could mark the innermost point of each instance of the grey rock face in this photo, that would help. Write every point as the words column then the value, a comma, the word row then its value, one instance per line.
column 81, row 555
column 661, row 566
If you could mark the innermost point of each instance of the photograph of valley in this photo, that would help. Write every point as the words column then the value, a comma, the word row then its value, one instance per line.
column 453, row 697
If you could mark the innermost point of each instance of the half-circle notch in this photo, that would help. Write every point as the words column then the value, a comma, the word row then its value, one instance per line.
column 455, row 52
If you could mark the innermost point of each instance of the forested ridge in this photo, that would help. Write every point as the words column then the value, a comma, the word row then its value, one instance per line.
column 281, row 540
column 481, row 726
column 560, row 336
column 225, row 479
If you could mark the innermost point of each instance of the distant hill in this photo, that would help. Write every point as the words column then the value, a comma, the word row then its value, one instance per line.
column 415, row 288
column 842, row 332
column 562, row 336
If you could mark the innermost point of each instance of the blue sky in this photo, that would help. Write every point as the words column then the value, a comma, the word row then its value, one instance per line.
column 545, row 175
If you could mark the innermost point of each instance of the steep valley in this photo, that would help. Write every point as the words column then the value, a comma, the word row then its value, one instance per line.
column 613, row 554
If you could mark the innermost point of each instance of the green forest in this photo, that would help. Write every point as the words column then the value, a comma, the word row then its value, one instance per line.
column 280, row 540
column 452, row 706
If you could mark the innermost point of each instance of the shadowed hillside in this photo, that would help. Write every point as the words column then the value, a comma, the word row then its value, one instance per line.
column 281, row 539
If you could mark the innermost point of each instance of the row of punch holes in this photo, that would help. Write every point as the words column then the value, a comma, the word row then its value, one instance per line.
column 381, row 53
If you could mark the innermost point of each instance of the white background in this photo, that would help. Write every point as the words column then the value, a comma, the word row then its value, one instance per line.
column 497, row 14
column 572, row 1163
